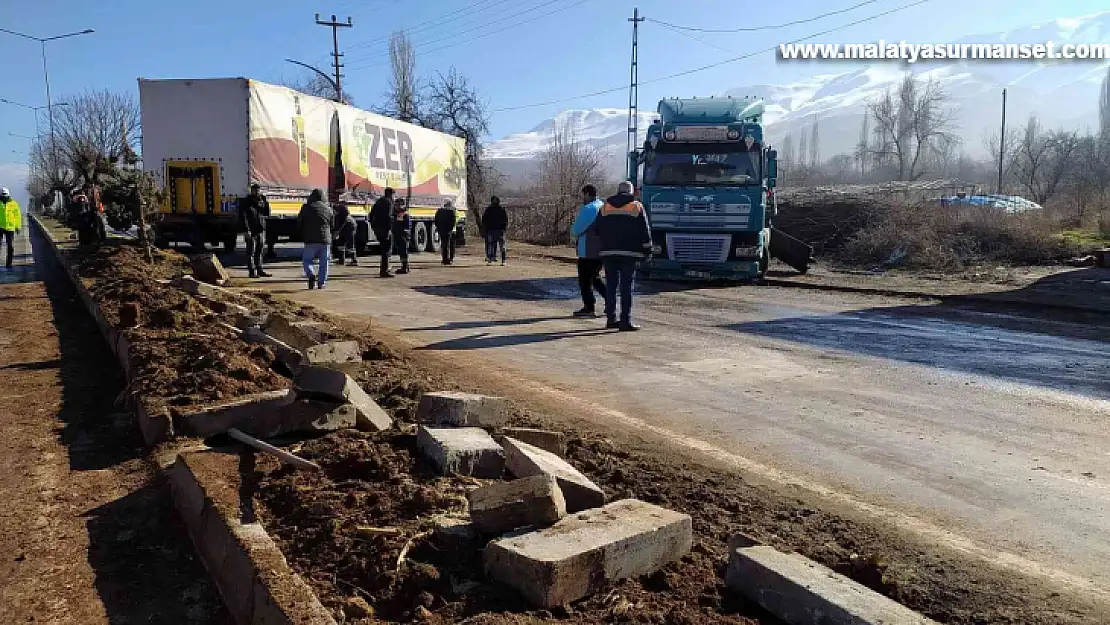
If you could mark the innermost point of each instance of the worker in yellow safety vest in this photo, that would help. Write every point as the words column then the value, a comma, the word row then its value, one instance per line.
column 11, row 220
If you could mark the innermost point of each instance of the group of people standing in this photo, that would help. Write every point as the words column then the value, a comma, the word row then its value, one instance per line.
column 613, row 235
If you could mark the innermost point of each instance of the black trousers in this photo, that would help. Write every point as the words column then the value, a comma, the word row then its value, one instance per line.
column 447, row 245
column 9, row 240
column 385, row 244
column 255, row 245
column 589, row 280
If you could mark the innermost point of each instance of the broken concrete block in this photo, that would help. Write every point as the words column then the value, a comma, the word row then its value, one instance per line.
column 304, row 415
column 524, row 460
column 315, row 381
column 462, row 409
column 297, row 334
column 547, row 440
column 577, row 556
column 293, row 359
column 529, row 502
column 462, row 451
column 334, row 352
column 453, row 532
column 799, row 590
column 192, row 286
column 208, row 268
column 241, row 413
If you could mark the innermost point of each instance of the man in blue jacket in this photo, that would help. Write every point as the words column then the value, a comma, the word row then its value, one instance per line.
column 589, row 248
column 622, row 226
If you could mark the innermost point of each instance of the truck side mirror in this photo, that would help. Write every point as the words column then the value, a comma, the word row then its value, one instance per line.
column 772, row 167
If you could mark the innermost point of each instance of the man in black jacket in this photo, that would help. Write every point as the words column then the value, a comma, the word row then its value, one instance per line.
column 253, row 211
column 622, row 226
column 445, row 223
column 495, row 221
column 381, row 222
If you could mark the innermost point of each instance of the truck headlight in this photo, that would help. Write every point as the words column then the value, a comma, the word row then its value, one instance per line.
column 669, row 207
column 656, row 249
column 669, row 135
column 747, row 252
column 734, row 135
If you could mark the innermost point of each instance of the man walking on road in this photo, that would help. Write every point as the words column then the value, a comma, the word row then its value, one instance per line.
column 495, row 221
column 589, row 248
column 253, row 211
column 445, row 223
column 622, row 226
column 11, row 220
column 381, row 222
column 402, row 226
column 315, row 223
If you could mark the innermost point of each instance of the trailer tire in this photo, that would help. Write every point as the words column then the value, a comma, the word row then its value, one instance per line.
column 196, row 241
column 419, row 237
column 362, row 237
column 229, row 243
column 434, row 240
column 764, row 264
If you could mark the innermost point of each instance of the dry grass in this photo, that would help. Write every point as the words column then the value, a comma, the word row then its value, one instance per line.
column 931, row 237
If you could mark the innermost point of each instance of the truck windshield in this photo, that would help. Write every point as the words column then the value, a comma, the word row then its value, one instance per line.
column 731, row 168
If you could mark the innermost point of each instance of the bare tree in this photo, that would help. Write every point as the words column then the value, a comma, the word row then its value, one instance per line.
column 1104, row 108
column 861, row 153
column 1042, row 160
column 563, row 169
column 990, row 143
column 815, row 143
column 453, row 106
column 803, row 152
column 91, row 134
column 402, row 99
column 911, row 123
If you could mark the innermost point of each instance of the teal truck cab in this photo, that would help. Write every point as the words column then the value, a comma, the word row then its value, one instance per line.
column 708, row 187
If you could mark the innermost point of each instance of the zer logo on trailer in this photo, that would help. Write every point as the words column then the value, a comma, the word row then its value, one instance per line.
column 389, row 148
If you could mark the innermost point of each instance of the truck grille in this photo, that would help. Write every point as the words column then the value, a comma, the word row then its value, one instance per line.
column 685, row 248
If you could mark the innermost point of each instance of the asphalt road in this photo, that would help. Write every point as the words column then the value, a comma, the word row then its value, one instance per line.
column 987, row 430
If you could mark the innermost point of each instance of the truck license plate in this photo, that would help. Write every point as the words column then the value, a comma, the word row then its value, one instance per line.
column 697, row 274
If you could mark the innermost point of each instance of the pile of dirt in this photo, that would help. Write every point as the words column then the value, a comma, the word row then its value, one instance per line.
column 379, row 481
column 180, row 354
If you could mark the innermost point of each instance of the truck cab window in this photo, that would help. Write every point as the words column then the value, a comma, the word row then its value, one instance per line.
column 714, row 168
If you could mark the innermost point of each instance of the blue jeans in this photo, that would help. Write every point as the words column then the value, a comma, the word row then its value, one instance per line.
column 619, row 274
column 316, row 251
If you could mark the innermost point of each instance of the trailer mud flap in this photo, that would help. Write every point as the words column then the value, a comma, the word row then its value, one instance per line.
column 791, row 251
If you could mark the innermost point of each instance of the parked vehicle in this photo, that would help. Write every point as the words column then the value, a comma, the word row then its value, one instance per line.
column 207, row 140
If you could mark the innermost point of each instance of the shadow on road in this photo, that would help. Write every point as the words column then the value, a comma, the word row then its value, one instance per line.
column 485, row 341
column 531, row 290
column 985, row 347
column 472, row 325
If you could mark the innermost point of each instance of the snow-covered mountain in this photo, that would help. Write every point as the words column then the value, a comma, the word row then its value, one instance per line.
column 1060, row 93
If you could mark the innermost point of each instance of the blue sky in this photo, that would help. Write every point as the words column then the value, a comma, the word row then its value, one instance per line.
column 515, row 52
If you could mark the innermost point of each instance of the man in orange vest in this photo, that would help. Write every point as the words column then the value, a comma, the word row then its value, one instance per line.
column 622, row 226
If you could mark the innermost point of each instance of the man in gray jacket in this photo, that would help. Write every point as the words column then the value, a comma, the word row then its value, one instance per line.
column 316, row 222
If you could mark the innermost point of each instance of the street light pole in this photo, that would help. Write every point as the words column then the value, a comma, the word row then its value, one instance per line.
column 46, row 78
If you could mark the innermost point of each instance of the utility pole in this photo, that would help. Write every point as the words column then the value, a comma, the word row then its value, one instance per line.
column 634, row 92
column 335, row 26
column 1002, row 144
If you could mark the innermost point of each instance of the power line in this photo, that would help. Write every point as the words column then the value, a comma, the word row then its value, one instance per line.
column 689, row 36
column 711, row 65
column 752, row 29
column 483, row 27
column 435, row 21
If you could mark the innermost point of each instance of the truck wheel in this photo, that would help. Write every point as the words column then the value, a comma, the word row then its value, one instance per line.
column 419, row 237
column 460, row 237
column 434, row 240
column 362, row 238
column 229, row 243
column 196, row 241
column 764, row 264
